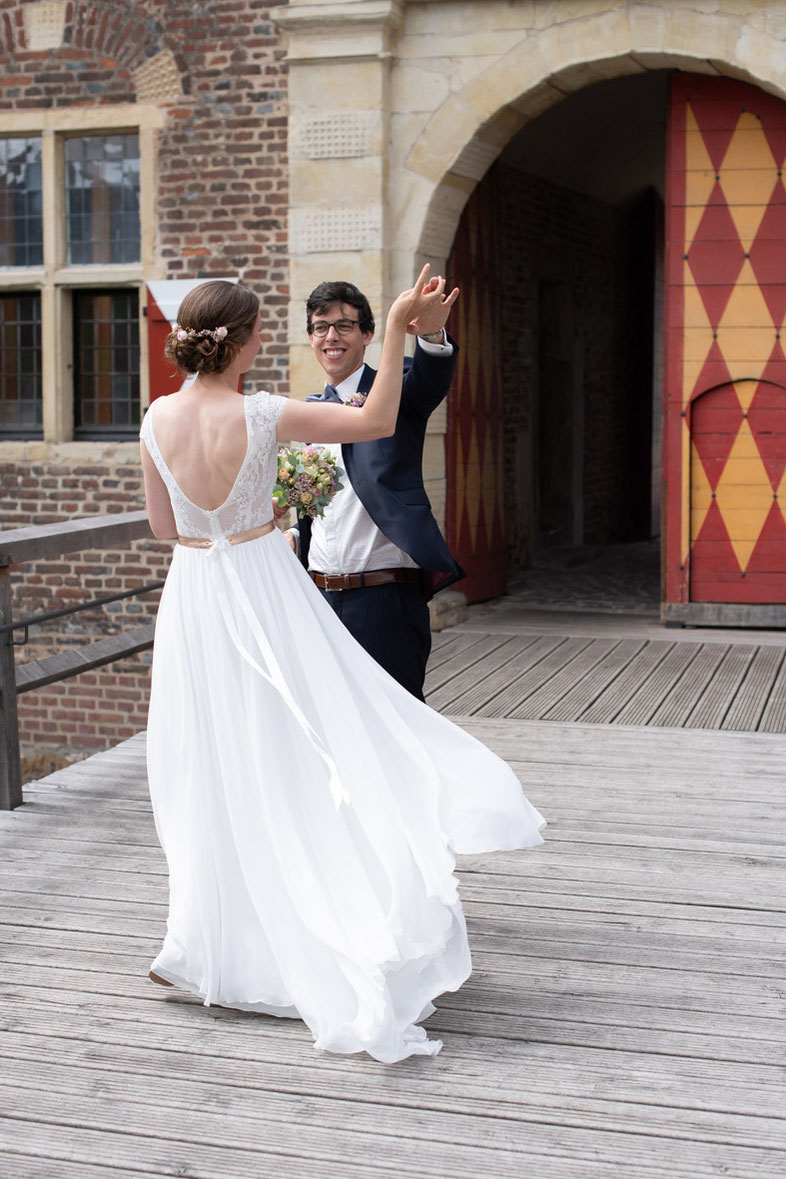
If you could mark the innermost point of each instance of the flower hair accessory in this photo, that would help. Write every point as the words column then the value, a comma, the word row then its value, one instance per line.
column 218, row 334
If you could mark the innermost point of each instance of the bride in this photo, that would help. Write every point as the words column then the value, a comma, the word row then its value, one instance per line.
column 309, row 807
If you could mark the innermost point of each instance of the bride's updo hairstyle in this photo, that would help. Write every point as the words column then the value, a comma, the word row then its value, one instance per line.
column 214, row 321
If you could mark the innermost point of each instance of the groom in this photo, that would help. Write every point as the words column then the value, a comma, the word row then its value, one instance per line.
column 378, row 555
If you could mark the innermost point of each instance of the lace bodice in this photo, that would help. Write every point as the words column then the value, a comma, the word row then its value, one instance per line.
column 249, row 503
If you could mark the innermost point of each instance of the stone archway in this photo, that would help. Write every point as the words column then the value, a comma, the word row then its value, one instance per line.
column 490, row 111
column 468, row 131
column 399, row 107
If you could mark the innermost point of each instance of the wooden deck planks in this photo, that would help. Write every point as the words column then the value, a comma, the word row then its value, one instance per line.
column 710, row 711
column 681, row 698
column 482, row 695
column 648, row 697
column 588, row 673
column 624, row 1017
column 478, row 679
column 542, row 701
column 608, row 705
column 553, row 655
column 750, row 699
column 442, row 671
column 582, row 695
column 773, row 719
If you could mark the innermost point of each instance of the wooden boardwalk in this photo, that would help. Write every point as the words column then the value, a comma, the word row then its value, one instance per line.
column 625, row 1017
column 513, row 661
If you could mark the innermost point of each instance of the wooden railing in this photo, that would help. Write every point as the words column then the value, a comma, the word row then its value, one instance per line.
column 18, row 547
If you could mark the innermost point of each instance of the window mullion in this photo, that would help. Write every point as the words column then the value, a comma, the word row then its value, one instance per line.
column 51, row 174
column 55, row 364
column 57, row 423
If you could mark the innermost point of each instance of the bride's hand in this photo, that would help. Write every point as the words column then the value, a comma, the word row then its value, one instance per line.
column 424, row 309
column 413, row 302
column 435, row 310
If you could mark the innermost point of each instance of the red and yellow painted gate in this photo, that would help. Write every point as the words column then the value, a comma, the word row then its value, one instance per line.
column 725, row 394
column 475, row 454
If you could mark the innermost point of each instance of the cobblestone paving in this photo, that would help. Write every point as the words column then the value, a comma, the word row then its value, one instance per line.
column 620, row 578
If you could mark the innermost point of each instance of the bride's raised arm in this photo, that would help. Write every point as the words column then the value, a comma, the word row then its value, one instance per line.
column 328, row 422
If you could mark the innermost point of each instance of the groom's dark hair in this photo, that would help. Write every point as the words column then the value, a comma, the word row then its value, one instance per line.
column 339, row 292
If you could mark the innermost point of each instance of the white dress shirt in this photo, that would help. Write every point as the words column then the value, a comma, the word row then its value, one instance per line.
column 346, row 539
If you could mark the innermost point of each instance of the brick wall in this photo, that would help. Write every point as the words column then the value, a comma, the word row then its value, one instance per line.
column 222, row 184
column 221, row 208
column 223, row 194
column 546, row 231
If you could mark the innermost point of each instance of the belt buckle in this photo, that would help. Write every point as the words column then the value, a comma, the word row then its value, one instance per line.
column 332, row 578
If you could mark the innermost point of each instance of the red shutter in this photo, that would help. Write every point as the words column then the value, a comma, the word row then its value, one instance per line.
column 163, row 378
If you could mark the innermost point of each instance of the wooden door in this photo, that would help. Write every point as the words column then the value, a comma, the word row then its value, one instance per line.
column 475, row 456
column 725, row 393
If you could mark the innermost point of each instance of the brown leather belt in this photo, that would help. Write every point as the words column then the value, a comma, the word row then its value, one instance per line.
column 349, row 581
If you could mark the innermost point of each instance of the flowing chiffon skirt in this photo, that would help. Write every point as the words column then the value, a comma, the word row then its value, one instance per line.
column 310, row 809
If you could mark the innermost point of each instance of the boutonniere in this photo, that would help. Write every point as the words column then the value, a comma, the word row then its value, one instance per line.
column 358, row 400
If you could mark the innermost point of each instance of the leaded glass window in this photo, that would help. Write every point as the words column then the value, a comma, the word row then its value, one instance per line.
column 102, row 199
column 20, row 363
column 106, row 361
column 21, row 218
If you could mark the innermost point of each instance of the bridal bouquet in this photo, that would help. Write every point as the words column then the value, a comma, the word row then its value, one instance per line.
column 308, row 478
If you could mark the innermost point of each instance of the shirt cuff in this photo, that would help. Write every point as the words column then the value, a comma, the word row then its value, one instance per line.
column 296, row 533
column 443, row 349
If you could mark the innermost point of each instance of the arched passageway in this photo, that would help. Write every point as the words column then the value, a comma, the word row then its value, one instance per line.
column 623, row 268
column 553, row 438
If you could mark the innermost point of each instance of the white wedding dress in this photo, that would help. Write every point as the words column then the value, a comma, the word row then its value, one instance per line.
column 309, row 807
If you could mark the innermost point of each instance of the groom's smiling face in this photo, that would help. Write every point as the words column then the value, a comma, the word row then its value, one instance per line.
column 340, row 355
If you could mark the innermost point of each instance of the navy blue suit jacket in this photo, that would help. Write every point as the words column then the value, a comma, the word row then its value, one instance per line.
column 387, row 474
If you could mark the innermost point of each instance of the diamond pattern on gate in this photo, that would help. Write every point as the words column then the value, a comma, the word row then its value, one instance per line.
column 734, row 368
column 475, row 523
column 744, row 495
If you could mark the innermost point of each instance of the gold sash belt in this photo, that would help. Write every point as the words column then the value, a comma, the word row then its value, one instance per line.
column 199, row 542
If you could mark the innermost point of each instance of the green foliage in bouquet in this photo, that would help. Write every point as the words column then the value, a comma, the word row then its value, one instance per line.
column 308, row 478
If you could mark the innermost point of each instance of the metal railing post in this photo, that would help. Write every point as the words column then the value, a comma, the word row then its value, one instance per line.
column 10, row 766
column 34, row 543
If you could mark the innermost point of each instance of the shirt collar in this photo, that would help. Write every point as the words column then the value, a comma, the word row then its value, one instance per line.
column 349, row 387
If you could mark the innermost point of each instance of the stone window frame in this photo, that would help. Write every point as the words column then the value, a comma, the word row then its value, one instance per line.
column 55, row 280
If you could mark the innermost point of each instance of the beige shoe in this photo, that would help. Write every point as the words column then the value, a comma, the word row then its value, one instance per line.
column 156, row 978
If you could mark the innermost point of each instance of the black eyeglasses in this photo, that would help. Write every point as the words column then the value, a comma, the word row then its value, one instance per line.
column 344, row 327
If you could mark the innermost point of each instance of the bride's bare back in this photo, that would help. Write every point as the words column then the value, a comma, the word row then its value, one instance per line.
column 201, row 435
column 203, row 439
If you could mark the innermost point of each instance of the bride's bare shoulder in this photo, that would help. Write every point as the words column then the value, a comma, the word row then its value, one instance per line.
column 166, row 406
